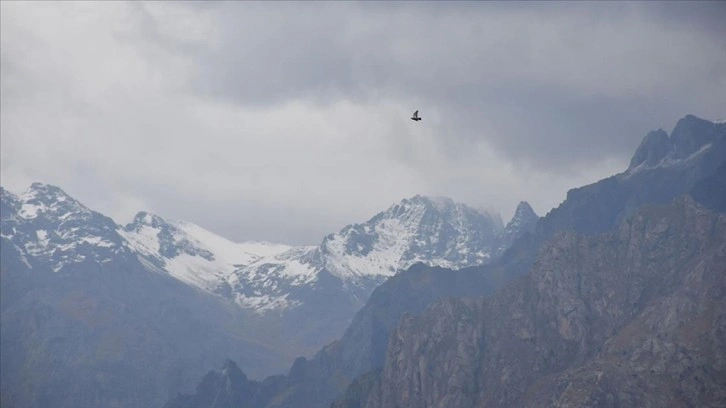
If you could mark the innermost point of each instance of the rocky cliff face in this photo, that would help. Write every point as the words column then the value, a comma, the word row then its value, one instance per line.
column 663, row 168
column 711, row 191
column 317, row 381
column 523, row 222
column 634, row 317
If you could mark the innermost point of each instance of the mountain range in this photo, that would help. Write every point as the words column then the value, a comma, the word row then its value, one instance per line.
column 135, row 313
column 100, row 314
column 615, row 298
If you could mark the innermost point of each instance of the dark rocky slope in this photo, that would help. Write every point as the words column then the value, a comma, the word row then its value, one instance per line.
column 633, row 317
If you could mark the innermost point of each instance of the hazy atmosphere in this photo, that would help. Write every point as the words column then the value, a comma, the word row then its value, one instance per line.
column 284, row 122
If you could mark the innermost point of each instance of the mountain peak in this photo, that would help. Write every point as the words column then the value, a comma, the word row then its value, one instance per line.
column 434, row 230
column 46, row 193
column 691, row 136
column 654, row 147
column 523, row 221
column 524, row 210
column 48, row 199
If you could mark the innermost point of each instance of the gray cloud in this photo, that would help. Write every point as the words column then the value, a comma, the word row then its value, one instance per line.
column 286, row 121
column 543, row 78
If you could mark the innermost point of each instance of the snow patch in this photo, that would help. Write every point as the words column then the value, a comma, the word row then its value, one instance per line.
column 394, row 238
column 226, row 250
column 665, row 162
column 30, row 211
column 42, row 236
column 97, row 241
column 197, row 271
column 265, row 303
column 145, row 239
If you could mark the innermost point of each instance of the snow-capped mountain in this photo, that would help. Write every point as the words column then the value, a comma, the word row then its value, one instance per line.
column 163, row 277
column 53, row 230
column 265, row 277
column 190, row 253
column 50, row 226
column 436, row 231
column 83, row 308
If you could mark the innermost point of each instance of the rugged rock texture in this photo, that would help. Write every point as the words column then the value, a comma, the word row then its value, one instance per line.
column 316, row 382
column 634, row 317
column 711, row 191
column 229, row 388
column 694, row 150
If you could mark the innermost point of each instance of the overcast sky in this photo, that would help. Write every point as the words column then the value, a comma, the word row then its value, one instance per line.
column 287, row 121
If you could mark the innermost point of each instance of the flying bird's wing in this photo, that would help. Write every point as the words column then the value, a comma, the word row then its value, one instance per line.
column 415, row 114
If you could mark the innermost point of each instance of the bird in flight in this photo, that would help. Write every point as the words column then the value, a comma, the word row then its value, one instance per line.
column 415, row 116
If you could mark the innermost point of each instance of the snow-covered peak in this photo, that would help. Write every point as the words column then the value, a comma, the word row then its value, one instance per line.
column 46, row 224
column 439, row 203
column 412, row 210
column 433, row 230
column 38, row 189
column 45, row 200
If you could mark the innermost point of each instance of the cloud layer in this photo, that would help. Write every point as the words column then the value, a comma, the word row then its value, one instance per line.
column 286, row 121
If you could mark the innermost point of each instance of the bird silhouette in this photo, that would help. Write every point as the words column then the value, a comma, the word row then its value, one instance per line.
column 415, row 116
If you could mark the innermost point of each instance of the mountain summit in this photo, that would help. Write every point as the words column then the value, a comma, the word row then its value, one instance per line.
column 433, row 230
column 691, row 137
column 523, row 221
